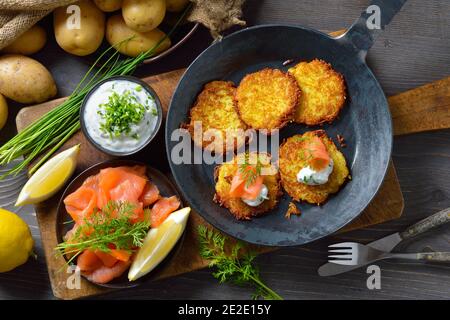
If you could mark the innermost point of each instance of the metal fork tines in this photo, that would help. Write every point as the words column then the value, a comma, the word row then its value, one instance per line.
column 352, row 254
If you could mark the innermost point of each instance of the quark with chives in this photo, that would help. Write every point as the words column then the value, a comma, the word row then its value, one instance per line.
column 120, row 116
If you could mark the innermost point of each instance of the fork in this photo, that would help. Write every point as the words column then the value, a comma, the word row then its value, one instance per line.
column 353, row 253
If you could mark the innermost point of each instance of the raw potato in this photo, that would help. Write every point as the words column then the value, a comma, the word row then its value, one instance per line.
column 143, row 15
column 86, row 39
column 28, row 43
column 176, row 5
column 3, row 111
column 25, row 80
column 117, row 31
column 108, row 5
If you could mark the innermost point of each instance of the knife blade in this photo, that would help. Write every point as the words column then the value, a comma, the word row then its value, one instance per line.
column 391, row 241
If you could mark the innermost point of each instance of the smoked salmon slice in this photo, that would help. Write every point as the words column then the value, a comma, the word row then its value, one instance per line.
column 88, row 261
column 121, row 255
column 107, row 259
column 161, row 210
column 121, row 184
column 320, row 157
column 150, row 194
column 239, row 189
column 105, row 274
column 81, row 203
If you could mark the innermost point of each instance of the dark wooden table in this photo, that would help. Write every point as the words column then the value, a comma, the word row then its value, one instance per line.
column 414, row 50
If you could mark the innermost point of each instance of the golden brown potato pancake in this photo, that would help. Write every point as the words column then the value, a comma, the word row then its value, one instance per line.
column 292, row 160
column 215, row 109
column 266, row 99
column 323, row 92
column 224, row 175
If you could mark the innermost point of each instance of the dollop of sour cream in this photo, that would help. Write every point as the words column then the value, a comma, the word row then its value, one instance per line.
column 309, row 176
column 263, row 195
column 139, row 132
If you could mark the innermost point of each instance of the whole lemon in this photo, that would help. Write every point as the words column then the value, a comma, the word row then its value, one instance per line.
column 16, row 243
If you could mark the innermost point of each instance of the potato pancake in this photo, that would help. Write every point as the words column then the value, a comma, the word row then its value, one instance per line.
column 323, row 92
column 215, row 110
column 266, row 99
column 224, row 175
column 292, row 160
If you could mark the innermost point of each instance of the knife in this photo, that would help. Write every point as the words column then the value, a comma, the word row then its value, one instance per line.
column 390, row 242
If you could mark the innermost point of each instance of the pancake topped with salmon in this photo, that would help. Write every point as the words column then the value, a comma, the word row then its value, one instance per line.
column 112, row 212
column 248, row 185
column 311, row 167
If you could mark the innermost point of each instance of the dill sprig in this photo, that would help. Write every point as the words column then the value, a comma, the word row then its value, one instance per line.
column 250, row 172
column 106, row 228
column 236, row 266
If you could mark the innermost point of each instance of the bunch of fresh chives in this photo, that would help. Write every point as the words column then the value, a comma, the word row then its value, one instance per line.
column 54, row 128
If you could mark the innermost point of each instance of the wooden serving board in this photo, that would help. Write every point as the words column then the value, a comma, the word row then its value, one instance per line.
column 424, row 108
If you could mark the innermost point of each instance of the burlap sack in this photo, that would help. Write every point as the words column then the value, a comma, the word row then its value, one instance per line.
column 17, row 16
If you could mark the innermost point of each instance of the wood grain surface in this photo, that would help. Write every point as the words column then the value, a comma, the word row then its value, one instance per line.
column 387, row 205
column 414, row 50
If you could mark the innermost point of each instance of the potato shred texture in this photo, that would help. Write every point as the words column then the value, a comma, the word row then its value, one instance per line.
column 293, row 159
column 323, row 92
column 266, row 99
column 215, row 111
column 224, row 175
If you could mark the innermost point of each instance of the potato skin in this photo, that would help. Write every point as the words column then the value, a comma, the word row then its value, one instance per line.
column 292, row 161
column 266, row 99
column 88, row 38
column 323, row 92
column 224, row 175
column 108, row 5
column 3, row 111
column 176, row 5
column 143, row 15
column 28, row 43
column 25, row 80
column 117, row 31
column 215, row 108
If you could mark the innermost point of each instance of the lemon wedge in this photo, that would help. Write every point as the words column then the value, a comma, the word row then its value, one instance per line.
column 158, row 243
column 49, row 178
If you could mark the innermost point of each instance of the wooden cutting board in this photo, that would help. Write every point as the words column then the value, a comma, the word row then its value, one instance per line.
column 424, row 108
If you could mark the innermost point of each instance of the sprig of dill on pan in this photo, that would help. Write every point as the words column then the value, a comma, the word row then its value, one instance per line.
column 106, row 228
column 236, row 266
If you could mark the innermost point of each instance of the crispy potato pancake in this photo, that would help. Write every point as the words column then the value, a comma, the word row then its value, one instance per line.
column 266, row 99
column 292, row 160
column 323, row 92
column 224, row 175
column 215, row 110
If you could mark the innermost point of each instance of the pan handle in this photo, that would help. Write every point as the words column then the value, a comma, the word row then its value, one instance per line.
column 363, row 32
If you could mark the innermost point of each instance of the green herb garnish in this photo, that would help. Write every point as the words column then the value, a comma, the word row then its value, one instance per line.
column 120, row 113
column 236, row 266
column 101, row 230
column 250, row 172
column 52, row 130
column 138, row 88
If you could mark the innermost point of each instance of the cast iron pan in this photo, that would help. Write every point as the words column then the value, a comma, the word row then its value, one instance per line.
column 165, row 187
column 365, row 123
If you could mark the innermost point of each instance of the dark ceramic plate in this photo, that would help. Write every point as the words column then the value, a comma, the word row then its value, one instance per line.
column 165, row 187
column 146, row 87
column 364, row 122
